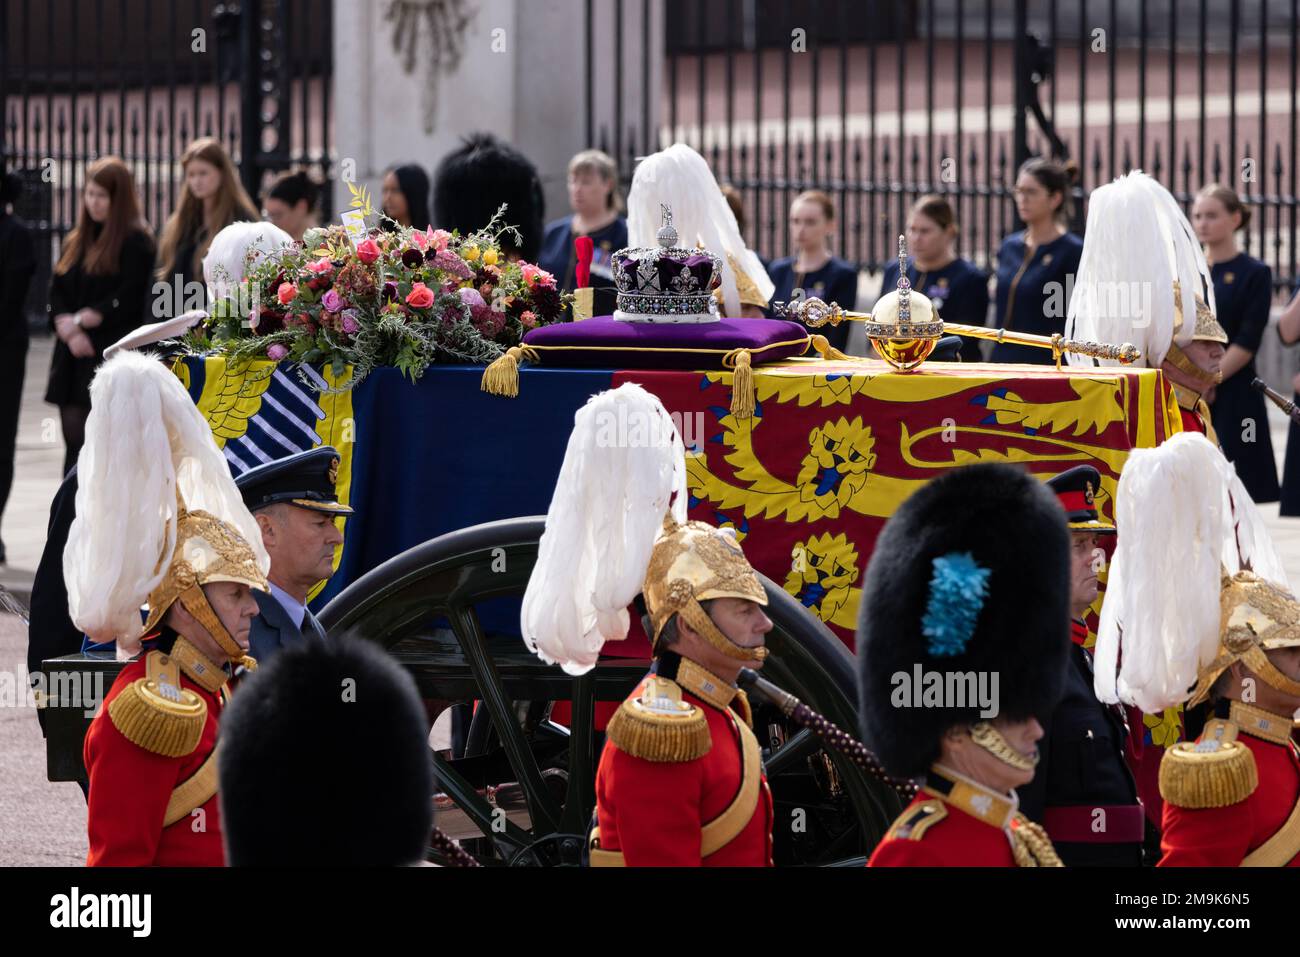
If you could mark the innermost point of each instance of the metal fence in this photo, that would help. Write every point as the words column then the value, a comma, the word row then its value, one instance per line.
column 880, row 102
column 141, row 79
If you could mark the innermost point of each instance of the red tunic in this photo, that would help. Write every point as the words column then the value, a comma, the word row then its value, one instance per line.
column 653, row 811
column 959, row 839
column 1192, row 422
column 1223, row 836
column 130, row 788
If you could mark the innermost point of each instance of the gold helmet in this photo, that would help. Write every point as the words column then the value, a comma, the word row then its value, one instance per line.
column 1256, row 616
column 694, row 562
column 208, row 550
column 158, row 513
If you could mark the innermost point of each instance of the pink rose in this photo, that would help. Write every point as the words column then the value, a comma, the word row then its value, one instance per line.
column 349, row 323
column 529, row 319
column 534, row 275
column 286, row 292
column 420, row 296
column 332, row 301
column 276, row 352
column 254, row 318
column 367, row 251
column 472, row 297
column 439, row 238
column 320, row 266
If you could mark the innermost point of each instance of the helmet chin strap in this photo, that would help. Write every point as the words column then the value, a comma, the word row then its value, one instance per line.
column 196, row 603
column 991, row 740
column 695, row 616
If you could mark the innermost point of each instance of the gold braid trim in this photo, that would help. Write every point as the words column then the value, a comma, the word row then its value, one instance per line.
column 658, row 726
column 746, row 289
column 1030, row 844
column 1216, row 771
column 200, row 669
column 740, row 705
column 156, row 713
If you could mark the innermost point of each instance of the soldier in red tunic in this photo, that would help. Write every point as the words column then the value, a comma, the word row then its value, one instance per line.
column 962, row 645
column 680, row 781
column 1232, row 797
column 150, row 752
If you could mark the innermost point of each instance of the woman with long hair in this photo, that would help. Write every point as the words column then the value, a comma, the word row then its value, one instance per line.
column 958, row 288
column 211, row 198
column 1243, row 295
column 406, row 195
column 98, row 291
column 1034, row 265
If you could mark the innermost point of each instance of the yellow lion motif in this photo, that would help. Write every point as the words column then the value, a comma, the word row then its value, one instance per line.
column 835, row 475
column 835, row 469
column 822, row 571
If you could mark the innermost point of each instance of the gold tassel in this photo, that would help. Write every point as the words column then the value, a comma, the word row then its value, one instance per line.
column 1200, row 779
column 742, row 384
column 828, row 351
column 651, row 737
column 159, row 725
column 501, row 377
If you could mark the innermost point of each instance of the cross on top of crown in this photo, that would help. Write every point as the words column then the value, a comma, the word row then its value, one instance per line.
column 667, row 235
column 904, row 284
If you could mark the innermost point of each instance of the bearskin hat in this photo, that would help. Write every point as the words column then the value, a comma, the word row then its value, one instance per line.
column 325, row 761
column 472, row 182
column 969, row 579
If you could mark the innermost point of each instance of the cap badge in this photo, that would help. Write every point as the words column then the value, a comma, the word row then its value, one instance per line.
column 1087, row 492
column 334, row 470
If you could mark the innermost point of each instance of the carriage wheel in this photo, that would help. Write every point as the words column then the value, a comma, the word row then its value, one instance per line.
column 523, row 791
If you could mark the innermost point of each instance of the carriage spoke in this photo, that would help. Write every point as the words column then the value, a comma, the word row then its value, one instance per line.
column 508, row 839
column 543, row 809
column 796, row 748
column 581, row 759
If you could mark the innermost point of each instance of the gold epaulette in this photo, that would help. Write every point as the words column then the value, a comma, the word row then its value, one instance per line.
column 1216, row 771
column 658, row 725
column 915, row 821
column 156, row 713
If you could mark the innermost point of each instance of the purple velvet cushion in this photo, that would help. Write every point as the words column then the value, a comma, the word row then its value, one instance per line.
column 604, row 343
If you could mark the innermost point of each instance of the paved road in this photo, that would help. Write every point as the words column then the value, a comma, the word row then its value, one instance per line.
column 40, row 823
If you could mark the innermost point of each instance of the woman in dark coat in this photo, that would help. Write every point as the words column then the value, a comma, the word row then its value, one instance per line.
column 813, row 273
column 1035, row 266
column 98, row 293
column 1243, row 293
column 17, row 263
column 1288, row 330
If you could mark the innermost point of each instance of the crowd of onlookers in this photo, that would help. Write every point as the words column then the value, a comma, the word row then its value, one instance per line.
column 110, row 261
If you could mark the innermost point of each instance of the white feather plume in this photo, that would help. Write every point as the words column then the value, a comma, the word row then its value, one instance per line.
column 623, row 465
column 145, row 442
column 1123, row 291
column 235, row 250
column 1183, row 517
column 681, row 178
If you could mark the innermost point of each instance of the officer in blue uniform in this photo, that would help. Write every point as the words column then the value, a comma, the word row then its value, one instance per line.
column 295, row 504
